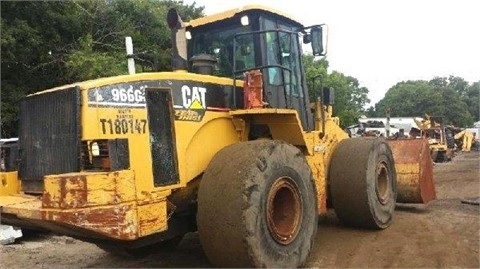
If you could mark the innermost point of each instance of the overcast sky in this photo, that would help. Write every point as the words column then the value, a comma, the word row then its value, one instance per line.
column 382, row 42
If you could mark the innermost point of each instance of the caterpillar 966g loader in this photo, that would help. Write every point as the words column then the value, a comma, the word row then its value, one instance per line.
column 225, row 144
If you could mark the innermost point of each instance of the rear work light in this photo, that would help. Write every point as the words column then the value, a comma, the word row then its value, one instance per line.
column 105, row 155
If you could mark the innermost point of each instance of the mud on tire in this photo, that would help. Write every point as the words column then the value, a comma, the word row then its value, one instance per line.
column 257, row 206
column 362, row 182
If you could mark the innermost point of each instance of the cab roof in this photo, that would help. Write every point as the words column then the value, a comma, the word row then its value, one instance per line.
column 240, row 11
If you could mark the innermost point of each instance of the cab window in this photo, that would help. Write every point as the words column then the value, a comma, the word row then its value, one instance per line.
column 281, row 48
column 218, row 42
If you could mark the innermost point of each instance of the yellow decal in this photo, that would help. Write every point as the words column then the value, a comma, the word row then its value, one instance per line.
column 196, row 104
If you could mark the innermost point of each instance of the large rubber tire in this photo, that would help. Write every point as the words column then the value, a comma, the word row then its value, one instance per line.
column 362, row 182
column 257, row 206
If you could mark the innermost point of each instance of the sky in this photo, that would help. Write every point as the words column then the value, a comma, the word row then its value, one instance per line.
column 383, row 42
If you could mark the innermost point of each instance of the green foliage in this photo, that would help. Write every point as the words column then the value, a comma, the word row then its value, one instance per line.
column 451, row 98
column 471, row 97
column 51, row 43
column 315, row 69
column 350, row 98
column 85, row 63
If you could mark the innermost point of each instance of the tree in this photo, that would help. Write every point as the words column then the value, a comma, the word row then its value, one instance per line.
column 410, row 98
column 315, row 69
column 350, row 97
column 51, row 43
column 471, row 97
column 30, row 30
column 450, row 98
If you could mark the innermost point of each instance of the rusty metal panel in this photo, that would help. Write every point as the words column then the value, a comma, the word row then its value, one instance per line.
column 119, row 222
column 114, row 221
column 152, row 218
column 414, row 170
column 407, row 168
column 79, row 190
column 93, row 204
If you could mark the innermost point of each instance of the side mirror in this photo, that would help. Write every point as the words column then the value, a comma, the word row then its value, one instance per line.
column 316, row 34
column 328, row 96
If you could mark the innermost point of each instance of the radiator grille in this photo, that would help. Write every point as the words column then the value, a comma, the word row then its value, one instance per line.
column 49, row 136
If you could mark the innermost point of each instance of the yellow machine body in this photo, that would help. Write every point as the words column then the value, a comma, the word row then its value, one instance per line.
column 9, row 183
column 122, row 204
column 141, row 144
column 125, row 204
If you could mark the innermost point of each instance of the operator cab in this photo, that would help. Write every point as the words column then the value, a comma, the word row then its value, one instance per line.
column 252, row 38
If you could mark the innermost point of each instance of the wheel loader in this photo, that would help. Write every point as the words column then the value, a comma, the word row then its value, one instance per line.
column 433, row 129
column 224, row 144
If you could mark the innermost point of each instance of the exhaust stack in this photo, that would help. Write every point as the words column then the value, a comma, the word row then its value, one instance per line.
column 130, row 56
column 179, row 41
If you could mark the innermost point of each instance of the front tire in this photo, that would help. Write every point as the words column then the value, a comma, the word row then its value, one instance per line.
column 257, row 206
column 363, row 182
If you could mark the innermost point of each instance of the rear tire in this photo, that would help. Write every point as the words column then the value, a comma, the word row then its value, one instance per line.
column 257, row 206
column 363, row 182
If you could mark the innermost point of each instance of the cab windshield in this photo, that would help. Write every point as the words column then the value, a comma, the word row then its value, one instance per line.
column 218, row 42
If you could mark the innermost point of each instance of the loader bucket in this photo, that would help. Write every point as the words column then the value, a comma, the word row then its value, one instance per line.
column 414, row 170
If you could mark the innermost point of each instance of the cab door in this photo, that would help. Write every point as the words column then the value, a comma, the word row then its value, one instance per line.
column 283, row 78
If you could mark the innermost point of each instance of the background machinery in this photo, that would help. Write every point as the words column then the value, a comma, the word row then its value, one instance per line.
column 441, row 145
column 467, row 139
column 225, row 144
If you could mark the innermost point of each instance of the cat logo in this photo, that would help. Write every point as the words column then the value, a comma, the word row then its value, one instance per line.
column 193, row 98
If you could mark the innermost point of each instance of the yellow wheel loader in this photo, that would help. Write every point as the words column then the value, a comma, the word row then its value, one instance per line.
column 433, row 129
column 225, row 144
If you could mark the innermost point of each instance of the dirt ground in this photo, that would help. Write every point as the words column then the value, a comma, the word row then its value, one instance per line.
column 446, row 233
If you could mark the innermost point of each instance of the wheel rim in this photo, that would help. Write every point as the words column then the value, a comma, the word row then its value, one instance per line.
column 284, row 210
column 382, row 186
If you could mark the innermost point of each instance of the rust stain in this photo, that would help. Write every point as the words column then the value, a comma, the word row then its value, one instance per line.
column 73, row 192
column 104, row 203
column 322, row 203
column 47, row 200
column 414, row 170
column 87, row 190
column 115, row 222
